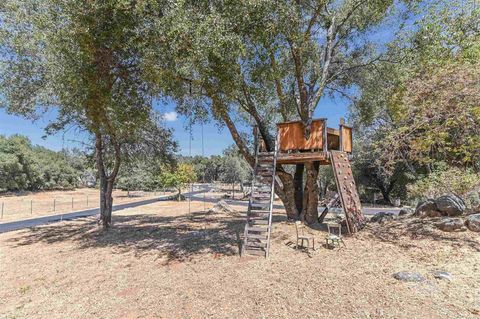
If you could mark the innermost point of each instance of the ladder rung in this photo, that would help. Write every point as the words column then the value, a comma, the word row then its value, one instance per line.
column 257, row 229
column 258, row 221
column 260, row 205
column 265, row 167
column 258, row 252
column 258, row 211
column 265, row 201
column 264, row 236
column 262, row 187
column 256, row 245
column 261, row 192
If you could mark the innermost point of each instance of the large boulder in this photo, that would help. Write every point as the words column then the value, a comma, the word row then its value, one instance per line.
column 450, row 224
column 381, row 217
column 427, row 208
column 473, row 222
column 450, row 205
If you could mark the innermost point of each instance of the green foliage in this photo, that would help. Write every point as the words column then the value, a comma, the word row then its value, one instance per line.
column 139, row 176
column 178, row 177
column 445, row 179
column 419, row 108
column 207, row 169
column 27, row 167
column 233, row 167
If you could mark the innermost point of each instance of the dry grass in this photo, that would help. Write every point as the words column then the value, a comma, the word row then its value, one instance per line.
column 24, row 205
column 159, row 261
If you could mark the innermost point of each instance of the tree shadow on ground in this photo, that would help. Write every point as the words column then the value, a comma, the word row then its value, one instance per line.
column 170, row 238
column 421, row 229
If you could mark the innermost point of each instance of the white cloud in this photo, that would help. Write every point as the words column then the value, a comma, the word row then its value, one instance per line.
column 170, row 116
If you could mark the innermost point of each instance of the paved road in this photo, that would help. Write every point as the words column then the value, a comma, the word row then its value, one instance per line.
column 366, row 210
column 11, row 226
column 197, row 195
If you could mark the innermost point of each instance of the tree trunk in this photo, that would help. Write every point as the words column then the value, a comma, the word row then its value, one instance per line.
column 106, row 202
column 310, row 199
column 106, row 181
column 298, row 184
column 386, row 191
column 286, row 193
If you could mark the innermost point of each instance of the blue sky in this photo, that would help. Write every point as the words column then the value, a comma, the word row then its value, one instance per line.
column 215, row 139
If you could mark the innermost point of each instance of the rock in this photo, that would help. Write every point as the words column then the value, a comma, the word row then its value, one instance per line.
column 473, row 222
column 405, row 211
column 222, row 207
column 450, row 205
column 450, row 224
column 408, row 276
column 427, row 208
column 381, row 217
column 443, row 275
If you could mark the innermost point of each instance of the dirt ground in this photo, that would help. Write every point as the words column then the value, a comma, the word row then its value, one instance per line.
column 160, row 261
column 27, row 205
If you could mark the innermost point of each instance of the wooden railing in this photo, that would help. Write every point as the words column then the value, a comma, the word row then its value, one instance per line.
column 292, row 136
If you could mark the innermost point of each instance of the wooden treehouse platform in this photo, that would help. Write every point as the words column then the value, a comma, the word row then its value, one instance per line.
column 325, row 145
column 294, row 148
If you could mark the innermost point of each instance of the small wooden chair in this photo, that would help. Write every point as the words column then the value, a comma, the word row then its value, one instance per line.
column 334, row 234
column 300, row 228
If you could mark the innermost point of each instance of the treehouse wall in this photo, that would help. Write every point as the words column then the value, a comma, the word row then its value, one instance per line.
column 292, row 136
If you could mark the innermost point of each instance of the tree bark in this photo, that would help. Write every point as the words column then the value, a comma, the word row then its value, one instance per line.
column 310, row 199
column 286, row 193
column 386, row 190
column 106, row 181
column 298, row 184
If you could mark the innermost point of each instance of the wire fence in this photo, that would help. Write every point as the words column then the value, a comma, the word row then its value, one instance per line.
column 15, row 208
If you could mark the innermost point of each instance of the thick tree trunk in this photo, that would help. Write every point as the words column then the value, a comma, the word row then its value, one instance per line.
column 298, row 184
column 310, row 199
column 286, row 193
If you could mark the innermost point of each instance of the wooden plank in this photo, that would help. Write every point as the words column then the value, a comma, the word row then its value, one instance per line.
column 346, row 137
column 261, row 221
column 347, row 190
column 263, row 236
column 256, row 244
column 294, row 158
column 257, row 229
column 292, row 137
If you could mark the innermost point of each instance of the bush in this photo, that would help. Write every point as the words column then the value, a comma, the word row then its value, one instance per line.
column 446, row 180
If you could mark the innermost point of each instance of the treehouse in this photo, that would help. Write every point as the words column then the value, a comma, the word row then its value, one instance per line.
column 322, row 144
column 294, row 147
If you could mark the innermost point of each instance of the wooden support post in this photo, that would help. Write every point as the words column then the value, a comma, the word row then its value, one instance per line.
column 54, row 204
column 87, row 201
column 341, row 136
column 72, row 203
column 325, row 137
column 31, row 207
column 3, row 206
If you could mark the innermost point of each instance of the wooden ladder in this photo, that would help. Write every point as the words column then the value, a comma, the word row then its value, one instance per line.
column 347, row 189
column 258, row 226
